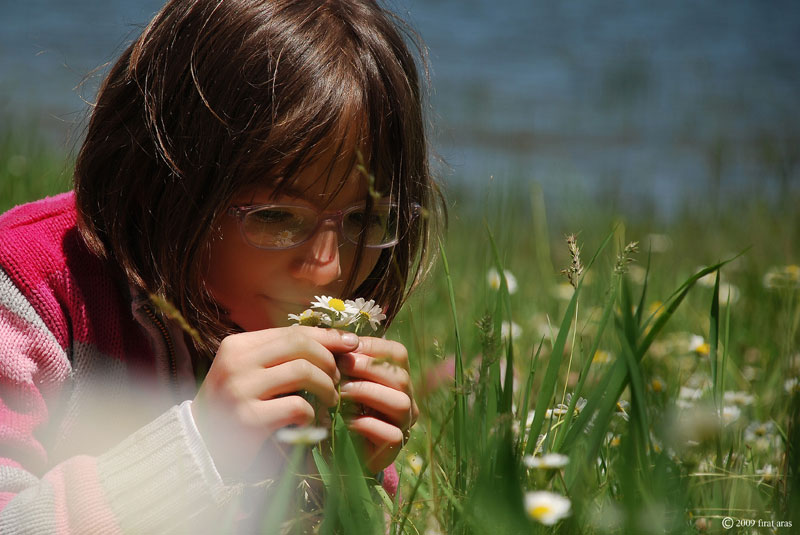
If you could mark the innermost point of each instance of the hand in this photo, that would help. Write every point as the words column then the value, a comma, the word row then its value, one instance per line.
column 251, row 389
column 378, row 379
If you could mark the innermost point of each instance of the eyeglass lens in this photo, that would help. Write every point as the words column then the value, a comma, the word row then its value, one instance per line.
column 286, row 226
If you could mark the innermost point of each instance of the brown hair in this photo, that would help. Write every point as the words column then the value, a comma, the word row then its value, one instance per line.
column 216, row 96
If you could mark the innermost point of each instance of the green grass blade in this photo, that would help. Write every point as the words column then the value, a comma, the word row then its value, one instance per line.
column 548, row 386
column 607, row 310
column 459, row 418
column 713, row 341
column 643, row 296
column 281, row 500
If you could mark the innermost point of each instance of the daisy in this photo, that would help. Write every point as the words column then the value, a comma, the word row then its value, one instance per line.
column 698, row 345
column 787, row 277
column 658, row 243
column 511, row 329
column 367, row 312
column 563, row 291
column 768, row 473
column 791, row 385
column 730, row 413
column 546, row 507
column 728, row 293
column 658, row 385
column 601, row 356
column 548, row 460
column 762, row 437
column 339, row 313
column 301, row 435
column 415, row 462
column 494, row 280
column 738, row 398
column 308, row 317
column 332, row 304
column 284, row 238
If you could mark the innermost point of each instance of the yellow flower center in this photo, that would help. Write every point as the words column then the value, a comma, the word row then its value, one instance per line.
column 540, row 511
column 337, row 304
column 364, row 314
column 703, row 349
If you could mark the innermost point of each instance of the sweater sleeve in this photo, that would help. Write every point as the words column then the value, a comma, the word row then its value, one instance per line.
column 153, row 481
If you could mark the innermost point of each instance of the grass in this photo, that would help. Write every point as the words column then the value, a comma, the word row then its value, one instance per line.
column 667, row 376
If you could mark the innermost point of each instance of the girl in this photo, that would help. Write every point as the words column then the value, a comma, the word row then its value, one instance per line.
column 243, row 156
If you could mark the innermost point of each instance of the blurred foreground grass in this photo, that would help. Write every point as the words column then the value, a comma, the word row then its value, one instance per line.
column 667, row 391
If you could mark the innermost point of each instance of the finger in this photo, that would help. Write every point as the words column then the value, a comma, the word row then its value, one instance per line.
column 274, row 414
column 291, row 348
column 383, row 441
column 394, row 404
column 376, row 370
column 332, row 339
column 383, row 349
column 289, row 377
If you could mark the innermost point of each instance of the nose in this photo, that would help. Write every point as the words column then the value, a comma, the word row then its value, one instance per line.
column 319, row 262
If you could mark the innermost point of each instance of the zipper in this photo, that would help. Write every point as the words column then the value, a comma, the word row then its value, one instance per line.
column 173, row 368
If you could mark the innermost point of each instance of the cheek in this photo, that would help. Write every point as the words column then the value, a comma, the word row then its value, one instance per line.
column 233, row 268
column 369, row 260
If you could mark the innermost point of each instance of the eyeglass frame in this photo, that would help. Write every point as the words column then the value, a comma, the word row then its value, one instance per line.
column 241, row 211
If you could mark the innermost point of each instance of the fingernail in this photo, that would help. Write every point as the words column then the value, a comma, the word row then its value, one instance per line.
column 344, row 386
column 350, row 339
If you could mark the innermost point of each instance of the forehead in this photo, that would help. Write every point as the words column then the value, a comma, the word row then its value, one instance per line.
column 327, row 180
column 331, row 177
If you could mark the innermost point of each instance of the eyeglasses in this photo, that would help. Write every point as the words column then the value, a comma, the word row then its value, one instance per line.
column 283, row 226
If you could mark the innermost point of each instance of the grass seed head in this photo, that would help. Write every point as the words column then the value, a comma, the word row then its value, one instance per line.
column 575, row 268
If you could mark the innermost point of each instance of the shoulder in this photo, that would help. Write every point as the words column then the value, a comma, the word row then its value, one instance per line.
column 35, row 239
column 43, row 254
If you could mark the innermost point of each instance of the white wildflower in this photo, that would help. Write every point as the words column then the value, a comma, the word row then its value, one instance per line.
column 690, row 394
column 792, row 385
column 637, row 273
column 728, row 293
column 708, row 279
column 697, row 344
column 308, row 317
column 762, row 437
column 658, row 243
column 782, row 277
column 547, row 507
column 495, row 281
column 738, row 397
column 622, row 409
column 767, row 473
column 546, row 461
column 601, row 356
column 415, row 462
column 730, row 413
column 284, row 238
column 511, row 329
column 367, row 312
column 331, row 304
column 563, row 291
column 301, row 435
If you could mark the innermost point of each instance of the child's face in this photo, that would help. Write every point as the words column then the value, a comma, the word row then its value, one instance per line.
column 261, row 287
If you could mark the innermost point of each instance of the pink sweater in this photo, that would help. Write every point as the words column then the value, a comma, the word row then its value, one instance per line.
column 96, row 434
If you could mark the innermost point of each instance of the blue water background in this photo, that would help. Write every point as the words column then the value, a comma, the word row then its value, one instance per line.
column 651, row 103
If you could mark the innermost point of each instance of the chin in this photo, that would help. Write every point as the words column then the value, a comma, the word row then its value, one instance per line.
column 257, row 321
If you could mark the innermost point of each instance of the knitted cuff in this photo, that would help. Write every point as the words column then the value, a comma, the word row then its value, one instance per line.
column 162, row 475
